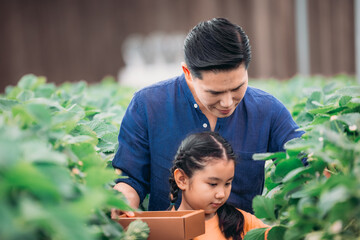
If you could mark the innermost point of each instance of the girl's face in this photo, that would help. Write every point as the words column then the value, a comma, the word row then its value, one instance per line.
column 209, row 188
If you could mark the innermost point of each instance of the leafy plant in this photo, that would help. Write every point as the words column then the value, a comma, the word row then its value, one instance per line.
column 56, row 146
column 322, row 199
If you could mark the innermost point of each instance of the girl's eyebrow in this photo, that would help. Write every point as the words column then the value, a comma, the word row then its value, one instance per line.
column 218, row 179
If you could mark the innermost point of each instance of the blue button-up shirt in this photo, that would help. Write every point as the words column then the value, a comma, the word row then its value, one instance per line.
column 160, row 116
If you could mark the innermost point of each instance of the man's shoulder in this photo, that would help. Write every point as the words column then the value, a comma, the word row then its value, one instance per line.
column 257, row 96
column 158, row 92
column 171, row 83
column 256, row 92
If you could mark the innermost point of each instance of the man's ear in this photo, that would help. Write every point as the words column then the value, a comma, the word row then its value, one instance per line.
column 186, row 72
column 181, row 179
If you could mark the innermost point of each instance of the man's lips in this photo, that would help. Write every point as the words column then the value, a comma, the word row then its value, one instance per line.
column 225, row 111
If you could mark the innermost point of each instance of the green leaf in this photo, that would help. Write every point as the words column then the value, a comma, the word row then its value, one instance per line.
column 96, row 177
column 28, row 177
column 68, row 225
column 264, row 207
column 68, row 118
column 7, row 104
column 40, row 113
column 304, row 118
column 40, row 152
column 83, row 150
column 276, row 233
column 45, row 91
column 68, row 139
column 28, row 81
column 137, row 230
column 25, row 95
column 268, row 156
column 314, row 101
column 101, row 127
column 293, row 234
column 330, row 198
column 296, row 172
column 350, row 119
column 9, row 146
column 344, row 100
column 322, row 109
column 352, row 91
column 320, row 119
column 287, row 165
column 256, row 234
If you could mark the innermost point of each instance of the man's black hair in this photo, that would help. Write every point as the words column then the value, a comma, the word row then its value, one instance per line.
column 216, row 45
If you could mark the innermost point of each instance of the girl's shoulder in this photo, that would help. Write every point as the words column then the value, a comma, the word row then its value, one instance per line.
column 251, row 221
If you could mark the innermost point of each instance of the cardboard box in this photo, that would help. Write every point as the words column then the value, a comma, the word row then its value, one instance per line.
column 169, row 225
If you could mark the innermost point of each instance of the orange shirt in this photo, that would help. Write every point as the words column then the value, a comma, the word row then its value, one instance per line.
column 213, row 232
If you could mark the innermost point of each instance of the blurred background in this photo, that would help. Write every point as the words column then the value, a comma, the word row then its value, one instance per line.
column 140, row 41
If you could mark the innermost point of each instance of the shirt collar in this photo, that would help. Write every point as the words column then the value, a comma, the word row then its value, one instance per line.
column 185, row 87
column 191, row 99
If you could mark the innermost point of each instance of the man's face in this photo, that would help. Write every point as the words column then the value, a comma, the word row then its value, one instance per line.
column 220, row 92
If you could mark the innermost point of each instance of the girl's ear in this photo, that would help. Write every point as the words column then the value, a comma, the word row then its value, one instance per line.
column 181, row 179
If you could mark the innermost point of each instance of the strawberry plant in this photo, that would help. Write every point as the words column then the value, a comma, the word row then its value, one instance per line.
column 322, row 199
column 57, row 143
column 56, row 146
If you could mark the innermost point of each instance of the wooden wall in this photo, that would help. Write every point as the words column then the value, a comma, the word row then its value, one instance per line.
column 71, row 40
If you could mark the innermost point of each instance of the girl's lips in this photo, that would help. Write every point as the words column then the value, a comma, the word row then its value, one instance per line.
column 216, row 205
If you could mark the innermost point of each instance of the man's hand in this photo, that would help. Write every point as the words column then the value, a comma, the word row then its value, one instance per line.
column 132, row 197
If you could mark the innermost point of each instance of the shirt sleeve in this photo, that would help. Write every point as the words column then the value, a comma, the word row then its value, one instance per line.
column 283, row 127
column 132, row 156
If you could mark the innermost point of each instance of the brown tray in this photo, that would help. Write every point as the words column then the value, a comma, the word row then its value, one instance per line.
column 169, row 225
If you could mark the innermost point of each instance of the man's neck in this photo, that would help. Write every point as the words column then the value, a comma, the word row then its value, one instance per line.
column 211, row 118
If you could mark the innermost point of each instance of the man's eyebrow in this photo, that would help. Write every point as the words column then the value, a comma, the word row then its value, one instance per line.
column 219, row 92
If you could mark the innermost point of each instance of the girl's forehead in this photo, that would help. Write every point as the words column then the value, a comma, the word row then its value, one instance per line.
column 217, row 167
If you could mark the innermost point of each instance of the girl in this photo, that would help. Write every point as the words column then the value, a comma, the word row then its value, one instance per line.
column 203, row 169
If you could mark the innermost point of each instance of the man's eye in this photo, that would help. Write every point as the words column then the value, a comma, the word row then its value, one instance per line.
column 236, row 89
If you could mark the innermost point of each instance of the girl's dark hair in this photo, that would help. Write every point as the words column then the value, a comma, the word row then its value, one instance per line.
column 194, row 153
column 216, row 45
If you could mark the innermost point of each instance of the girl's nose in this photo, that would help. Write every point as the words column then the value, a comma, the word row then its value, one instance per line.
column 220, row 194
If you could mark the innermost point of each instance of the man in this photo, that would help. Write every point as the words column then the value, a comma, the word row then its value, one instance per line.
column 212, row 94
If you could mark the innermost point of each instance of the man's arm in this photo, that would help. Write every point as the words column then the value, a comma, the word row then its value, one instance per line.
column 129, row 193
column 283, row 127
column 132, row 156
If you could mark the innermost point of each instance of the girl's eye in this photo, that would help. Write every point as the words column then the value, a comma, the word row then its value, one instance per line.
column 213, row 184
column 228, row 184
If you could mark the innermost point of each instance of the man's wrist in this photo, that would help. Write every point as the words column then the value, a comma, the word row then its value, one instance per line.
column 130, row 194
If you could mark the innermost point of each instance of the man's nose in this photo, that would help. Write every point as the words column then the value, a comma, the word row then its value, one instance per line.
column 226, row 100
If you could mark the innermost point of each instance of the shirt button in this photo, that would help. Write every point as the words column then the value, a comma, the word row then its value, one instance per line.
column 195, row 105
column 205, row 125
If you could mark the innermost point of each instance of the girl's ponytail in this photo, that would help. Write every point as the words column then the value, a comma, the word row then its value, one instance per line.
column 231, row 221
column 174, row 190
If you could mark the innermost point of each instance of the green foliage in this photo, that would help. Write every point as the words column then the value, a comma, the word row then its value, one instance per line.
column 57, row 143
column 320, row 200
column 56, row 147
